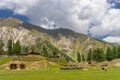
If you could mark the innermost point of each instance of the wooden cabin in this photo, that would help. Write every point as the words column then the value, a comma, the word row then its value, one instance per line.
column 22, row 66
column 13, row 66
column 16, row 65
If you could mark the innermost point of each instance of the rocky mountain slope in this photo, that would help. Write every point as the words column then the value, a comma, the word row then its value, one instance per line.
column 67, row 41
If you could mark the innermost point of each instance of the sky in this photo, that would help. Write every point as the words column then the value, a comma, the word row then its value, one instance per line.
column 96, row 18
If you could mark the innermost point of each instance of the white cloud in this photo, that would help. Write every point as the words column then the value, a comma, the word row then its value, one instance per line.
column 112, row 39
column 96, row 16
column 110, row 24
column 18, row 6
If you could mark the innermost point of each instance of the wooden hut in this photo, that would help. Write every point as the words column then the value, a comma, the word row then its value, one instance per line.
column 22, row 66
column 13, row 66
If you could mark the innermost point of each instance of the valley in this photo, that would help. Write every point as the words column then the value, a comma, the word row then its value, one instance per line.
column 59, row 54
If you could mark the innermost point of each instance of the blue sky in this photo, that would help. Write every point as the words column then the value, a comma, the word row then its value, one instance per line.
column 116, row 2
column 96, row 18
column 4, row 13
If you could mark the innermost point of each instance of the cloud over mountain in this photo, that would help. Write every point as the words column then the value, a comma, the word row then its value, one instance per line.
column 94, row 17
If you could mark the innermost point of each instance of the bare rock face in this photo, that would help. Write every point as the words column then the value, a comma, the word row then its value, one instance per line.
column 21, row 34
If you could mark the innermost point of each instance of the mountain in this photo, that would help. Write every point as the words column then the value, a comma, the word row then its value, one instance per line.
column 65, row 40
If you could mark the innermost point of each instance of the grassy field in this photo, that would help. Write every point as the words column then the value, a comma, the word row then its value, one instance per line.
column 4, row 60
column 51, row 71
column 98, row 74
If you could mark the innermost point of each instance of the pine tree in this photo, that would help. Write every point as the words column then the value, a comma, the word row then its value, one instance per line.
column 9, row 46
column 1, row 48
column 16, row 48
column 109, row 54
column 78, row 57
column 83, row 57
column 118, row 51
column 94, row 52
column 24, row 49
column 55, row 51
column 115, row 53
column 100, row 56
column 45, row 51
column 89, row 56
column 32, row 48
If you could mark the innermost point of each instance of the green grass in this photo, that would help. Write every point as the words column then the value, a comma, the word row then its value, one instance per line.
column 98, row 74
column 58, row 61
column 30, row 58
column 4, row 60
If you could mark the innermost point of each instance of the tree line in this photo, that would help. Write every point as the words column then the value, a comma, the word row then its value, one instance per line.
column 46, row 49
column 15, row 48
column 100, row 54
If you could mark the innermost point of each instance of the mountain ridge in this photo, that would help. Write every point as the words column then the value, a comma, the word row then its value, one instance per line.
column 65, row 40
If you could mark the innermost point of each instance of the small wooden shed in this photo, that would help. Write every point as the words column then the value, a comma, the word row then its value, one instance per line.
column 17, row 65
column 22, row 66
column 13, row 66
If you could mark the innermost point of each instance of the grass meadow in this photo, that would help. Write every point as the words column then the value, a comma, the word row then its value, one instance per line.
column 93, row 74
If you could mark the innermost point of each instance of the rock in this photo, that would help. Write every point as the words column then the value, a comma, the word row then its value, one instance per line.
column 117, row 65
